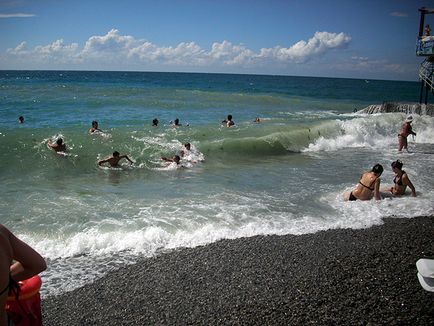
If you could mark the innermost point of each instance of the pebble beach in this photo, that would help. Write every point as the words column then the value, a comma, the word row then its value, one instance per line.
column 334, row 277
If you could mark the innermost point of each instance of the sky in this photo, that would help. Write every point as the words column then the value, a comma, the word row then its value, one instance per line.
column 367, row 39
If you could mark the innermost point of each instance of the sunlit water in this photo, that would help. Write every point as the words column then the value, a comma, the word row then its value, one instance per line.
column 285, row 175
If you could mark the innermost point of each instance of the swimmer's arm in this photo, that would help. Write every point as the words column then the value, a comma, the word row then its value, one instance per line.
column 28, row 261
column 101, row 162
column 51, row 144
column 166, row 159
column 407, row 182
column 377, row 194
column 126, row 157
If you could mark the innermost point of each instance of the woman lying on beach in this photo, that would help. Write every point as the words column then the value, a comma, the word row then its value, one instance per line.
column 27, row 264
column 368, row 186
column 401, row 181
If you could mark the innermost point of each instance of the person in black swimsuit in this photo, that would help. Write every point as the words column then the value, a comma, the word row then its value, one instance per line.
column 400, row 181
column 368, row 186
column 27, row 264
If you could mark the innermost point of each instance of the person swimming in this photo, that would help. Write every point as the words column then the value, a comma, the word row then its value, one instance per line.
column 368, row 186
column 186, row 150
column 400, row 181
column 94, row 127
column 155, row 122
column 228, row 121
column 176, row 123
column 114, row 159
column 58, row 146
column 175, row 159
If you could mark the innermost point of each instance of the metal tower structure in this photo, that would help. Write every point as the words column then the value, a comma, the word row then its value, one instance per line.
column 425, row 48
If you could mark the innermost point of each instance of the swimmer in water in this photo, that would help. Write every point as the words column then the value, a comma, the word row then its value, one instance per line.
column 114, row 159
column 94, row 127
column 176, row 159
column 58, row 146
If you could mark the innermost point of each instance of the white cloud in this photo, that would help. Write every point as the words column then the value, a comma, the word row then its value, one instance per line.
column 124, row 50
column 320, row 43
column 19, row 49
column 17, row 15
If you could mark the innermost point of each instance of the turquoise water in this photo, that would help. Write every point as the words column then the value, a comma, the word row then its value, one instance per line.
column 285, row 175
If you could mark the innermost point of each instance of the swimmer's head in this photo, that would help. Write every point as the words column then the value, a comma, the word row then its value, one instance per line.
column 155, row 122
column 21, row 119
column 116, row 154
column 187, row 146
column 95, row 124
column 397, row 164
column 176, row 121
column 176, row 159
column 229, row 117
column 59, row 141
column 377, row 169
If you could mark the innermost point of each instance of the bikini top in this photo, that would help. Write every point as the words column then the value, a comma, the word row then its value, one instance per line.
column 399, row 182
column 370, row 186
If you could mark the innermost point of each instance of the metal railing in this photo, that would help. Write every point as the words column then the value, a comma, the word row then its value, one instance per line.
column 426, row 74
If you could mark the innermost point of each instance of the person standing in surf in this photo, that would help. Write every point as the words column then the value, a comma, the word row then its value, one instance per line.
column 368, row 186
column 406, row 130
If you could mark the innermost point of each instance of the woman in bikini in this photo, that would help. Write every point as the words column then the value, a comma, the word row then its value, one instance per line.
column 368, row 186
column 400, row 181
column 18, row 261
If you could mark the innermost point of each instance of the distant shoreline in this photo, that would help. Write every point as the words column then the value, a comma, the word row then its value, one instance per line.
column 340, row 276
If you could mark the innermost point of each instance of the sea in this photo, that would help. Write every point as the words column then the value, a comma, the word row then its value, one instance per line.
column 284, row 175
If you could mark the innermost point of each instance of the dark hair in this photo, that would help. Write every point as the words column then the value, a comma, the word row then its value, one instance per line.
column 59, row 141
column 397, row 164
column 177, row 158
column 377, row 169
column 176, row 121
column 229, row 116
column 116, row 153
column 94, row 123
column 155, row 122
column 186, row 145
column 21, row 118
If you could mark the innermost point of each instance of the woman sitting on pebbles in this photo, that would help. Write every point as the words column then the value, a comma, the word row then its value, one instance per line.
column 368, row 186
column 401, row 181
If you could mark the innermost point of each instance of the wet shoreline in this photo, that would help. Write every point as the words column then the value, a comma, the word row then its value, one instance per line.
column 341, row 276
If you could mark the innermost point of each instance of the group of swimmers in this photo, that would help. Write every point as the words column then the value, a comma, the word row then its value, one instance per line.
column 369, row 184
column 113, row 160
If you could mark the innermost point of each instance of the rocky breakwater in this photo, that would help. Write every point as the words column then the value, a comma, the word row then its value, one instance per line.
column 408, row 108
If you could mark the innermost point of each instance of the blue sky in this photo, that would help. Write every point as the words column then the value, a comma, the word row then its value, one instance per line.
column 337, row 38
